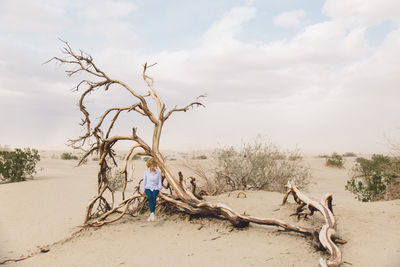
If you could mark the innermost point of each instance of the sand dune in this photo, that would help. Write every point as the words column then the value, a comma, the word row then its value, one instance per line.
column 51, row 207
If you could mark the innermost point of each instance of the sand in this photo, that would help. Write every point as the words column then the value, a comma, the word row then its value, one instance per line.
column 51, row 207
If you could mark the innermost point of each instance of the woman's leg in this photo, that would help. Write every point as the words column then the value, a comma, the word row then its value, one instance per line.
column 150, row 198
column 155, row 194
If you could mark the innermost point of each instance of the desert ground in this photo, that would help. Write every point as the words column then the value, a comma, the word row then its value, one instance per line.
column 47, row 210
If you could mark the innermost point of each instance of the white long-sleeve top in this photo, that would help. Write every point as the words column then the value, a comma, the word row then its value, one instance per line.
column 152, row 180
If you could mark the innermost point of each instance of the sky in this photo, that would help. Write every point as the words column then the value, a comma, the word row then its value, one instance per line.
column 321, row 76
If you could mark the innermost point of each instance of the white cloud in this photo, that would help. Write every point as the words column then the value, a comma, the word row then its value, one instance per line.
column 230, row 24
column 291, row 19
column 99, row 10
column 323, row 84
column 370, row 10
column 105, row 19
column 31, row 16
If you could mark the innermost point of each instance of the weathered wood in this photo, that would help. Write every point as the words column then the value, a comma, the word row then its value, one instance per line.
column 328, row 230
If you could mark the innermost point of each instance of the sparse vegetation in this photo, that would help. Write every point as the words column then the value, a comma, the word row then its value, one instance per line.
column 116, row 179
column 334, row 160
column 19, row 164
column 146, row 158
column 68, row 156
column 349, row 155
column 376, row 178
column 258, row 166
column 295, row 157
column 200, row 157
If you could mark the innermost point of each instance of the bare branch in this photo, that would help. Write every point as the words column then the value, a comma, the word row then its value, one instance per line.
column 184, row 109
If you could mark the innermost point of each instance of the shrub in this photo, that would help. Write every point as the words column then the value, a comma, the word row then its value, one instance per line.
column 19, row 164
column 259, row 166
column 200, row 157
column 68, row 156
column 122, row 157
column 116, row 180
column 375, row 179
column 335, row 160
column 295, row 157
column 146, row 158
column 349, row 154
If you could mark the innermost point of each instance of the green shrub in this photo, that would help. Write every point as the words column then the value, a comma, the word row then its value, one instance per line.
column 68, row 156
column 260, row 166
column 200, row 157
column 375, row 179
column 334, row 160
column 19, row 164
column 146, row 158
column 349, row 155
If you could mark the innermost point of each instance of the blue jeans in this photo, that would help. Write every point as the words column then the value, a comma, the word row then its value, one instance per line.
column 151, row 196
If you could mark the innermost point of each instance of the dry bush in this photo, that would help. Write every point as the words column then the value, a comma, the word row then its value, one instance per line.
column 334, row 160
column 116, row 179
column 207, row 184
column 258, row 166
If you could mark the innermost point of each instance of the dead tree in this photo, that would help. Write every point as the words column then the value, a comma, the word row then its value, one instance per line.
column 98, row 138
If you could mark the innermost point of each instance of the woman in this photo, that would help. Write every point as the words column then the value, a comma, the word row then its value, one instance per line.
column 152, row 186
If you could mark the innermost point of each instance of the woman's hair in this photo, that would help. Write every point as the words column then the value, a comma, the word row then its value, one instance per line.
column 151, row 163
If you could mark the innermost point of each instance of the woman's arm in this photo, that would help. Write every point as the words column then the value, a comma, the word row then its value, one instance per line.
column 144, row 184
column 159, row 182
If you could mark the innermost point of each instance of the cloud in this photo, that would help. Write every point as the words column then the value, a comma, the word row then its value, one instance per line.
column 228, row 26
column 100, row 10
column 107, row 20
column 31, row 16
column 371, row 10
column 263, row 72
column 291, row 19
column 325, row 83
